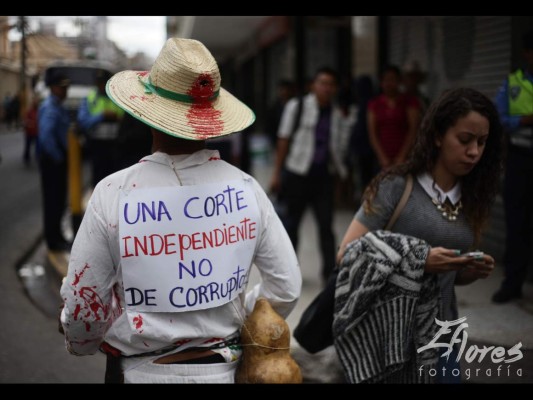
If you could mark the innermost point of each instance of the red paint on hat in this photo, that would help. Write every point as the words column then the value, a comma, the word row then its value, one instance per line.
column 202, row 116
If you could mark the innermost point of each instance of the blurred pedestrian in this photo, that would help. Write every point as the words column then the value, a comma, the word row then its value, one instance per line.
column 360, row 149
column 53, row 124
column 412, row 78
column 310, row 151
column 134, row 141
column 5, row 107
column 515, row 105
column 229, row 148
column 285, row 91
column 13, row 112
column 393, row 118
column 100, row 118
column 31, row 125
column 455, row 165
column 186, row 327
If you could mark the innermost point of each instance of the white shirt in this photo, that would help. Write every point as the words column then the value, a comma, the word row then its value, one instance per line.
column 302, row 149
column 426, row 181
column 99, row 313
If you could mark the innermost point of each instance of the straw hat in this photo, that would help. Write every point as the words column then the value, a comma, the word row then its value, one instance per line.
column 181, row 95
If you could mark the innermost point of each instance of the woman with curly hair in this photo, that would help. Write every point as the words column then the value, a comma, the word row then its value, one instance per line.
column 455, row 164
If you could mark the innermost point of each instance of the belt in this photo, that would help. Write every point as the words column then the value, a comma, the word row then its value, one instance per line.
column 231, row 340
column 185, row 355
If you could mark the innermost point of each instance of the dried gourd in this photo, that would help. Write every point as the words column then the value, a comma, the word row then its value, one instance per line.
column 266, row 348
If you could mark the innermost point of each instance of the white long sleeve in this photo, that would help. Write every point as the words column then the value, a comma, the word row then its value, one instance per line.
column 93, row 292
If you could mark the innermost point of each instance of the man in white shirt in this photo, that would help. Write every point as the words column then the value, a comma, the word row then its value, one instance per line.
column 310, row 152
column 160, row 264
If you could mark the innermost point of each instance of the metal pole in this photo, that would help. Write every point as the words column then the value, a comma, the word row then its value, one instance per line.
column 74, row 178
column 22, row 90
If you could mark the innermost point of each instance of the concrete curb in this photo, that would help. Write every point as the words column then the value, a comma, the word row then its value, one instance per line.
column 28, row 253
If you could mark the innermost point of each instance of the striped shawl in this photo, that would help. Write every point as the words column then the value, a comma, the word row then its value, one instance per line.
column 385, row 307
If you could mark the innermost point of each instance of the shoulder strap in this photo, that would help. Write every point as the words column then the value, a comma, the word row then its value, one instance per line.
column 401, row 204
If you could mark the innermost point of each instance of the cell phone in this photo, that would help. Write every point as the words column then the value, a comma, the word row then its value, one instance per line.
column 474, row 254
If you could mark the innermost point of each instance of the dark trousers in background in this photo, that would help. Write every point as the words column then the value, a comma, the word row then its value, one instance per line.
column 518, row 199
column 54, row 189
column 104, row 160
column 367, row 166
column 30, row 140
column 316, row 191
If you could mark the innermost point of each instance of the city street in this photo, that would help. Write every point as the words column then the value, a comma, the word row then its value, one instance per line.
column 33, row 349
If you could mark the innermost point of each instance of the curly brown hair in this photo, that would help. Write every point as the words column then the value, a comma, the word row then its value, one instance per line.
column 479, row 187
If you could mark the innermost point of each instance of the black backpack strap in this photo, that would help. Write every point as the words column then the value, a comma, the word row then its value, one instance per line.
column 298, row 117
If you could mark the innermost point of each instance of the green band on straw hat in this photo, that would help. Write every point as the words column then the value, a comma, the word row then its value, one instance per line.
column 167, row 94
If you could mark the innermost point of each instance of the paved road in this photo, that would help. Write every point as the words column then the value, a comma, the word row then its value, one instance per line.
column 32, row 349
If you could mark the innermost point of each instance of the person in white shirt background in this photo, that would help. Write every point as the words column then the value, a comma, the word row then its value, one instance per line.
column 158, row 270
column 309, row 155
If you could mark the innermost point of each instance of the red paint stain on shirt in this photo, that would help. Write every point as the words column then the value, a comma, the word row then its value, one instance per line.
column 202, row 116
column 77, row 277
column 212, row 340
column 214, row 158
column 76, row 312
column 138, row 321
column 93, row 304
column 182, row 342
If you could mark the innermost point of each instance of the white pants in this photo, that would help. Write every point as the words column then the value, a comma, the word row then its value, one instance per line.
column 180, row 373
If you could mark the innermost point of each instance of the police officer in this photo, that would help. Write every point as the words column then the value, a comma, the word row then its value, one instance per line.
column 515, row 105
column 99, row 117
column 53, row 123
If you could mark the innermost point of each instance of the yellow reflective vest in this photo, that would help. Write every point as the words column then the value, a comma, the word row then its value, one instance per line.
column 96, row 105
column 520, row 94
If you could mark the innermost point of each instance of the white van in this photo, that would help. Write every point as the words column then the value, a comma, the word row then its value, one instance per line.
column 82, row 79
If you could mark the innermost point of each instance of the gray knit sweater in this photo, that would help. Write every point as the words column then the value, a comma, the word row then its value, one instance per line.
column 421, row 219
column 385, row 308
